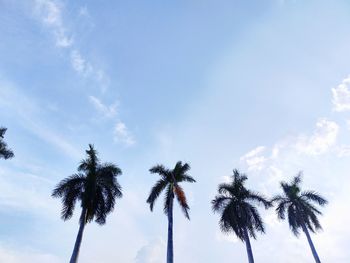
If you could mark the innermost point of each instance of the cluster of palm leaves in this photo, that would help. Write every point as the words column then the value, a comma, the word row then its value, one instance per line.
column 95, row 187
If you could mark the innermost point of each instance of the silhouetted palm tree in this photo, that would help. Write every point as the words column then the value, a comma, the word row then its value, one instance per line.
column 5, row 152
column 297, row 205
column 238, row 213
column 95, row 186
column 169, row 181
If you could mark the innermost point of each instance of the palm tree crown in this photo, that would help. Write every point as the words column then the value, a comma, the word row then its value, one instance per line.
column 235, row 203
column 95, row 186
column 297, row 206
column 5, row 152
column 170, row 180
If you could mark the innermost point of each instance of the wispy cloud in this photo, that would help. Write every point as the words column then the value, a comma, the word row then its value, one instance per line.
column 51, row 15
column 27, row 112
column 79, row 64
column 321, row 141
column 122, row 134
column 107, row 111
column 254, row 159
column 292, row 151
column 29, row 195
column 341, row 96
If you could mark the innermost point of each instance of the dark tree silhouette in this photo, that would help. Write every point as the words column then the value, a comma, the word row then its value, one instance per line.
column 169, row 182
column 96, row 187
column 5, row 152
column 235, row 203
column 297, row 206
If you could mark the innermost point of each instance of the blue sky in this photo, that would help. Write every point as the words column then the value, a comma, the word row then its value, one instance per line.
column 262, row 86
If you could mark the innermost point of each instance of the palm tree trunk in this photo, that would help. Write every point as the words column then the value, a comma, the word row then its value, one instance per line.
column 248, row 246
column 75, row 254
column 170, row 249
column 311, row 244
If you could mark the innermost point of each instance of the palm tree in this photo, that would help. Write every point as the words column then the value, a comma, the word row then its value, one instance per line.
column 238, row 213
column 297, row 205
column 170, row 180
column 5, row 152
column 96, row 187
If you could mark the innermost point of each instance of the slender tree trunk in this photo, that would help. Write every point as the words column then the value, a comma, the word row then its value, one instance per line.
column 170, row 248
column 248, row 246
column 75, row 254
column 311, row 244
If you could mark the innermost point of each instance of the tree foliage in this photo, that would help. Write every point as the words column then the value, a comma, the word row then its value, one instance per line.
column 95, row 186
column 235, row 203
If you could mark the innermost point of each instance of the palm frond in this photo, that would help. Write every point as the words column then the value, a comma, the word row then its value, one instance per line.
column 155, row 192
column 161, row 170
column 74, row 181
column 315, row 197
column 296, row 181
column 253, row 196
column 169, row 197
column 181, row 198
column 227, row 189
column 219, row 202
column 186, row 178
column 293, row 220
column 281, row 209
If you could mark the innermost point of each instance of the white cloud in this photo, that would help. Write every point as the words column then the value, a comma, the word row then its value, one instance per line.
column 122, row 134
column 107, row 111
column 289, row 152
column 341, row 96
column 254, row 159
column 321, row 141
column 50, row 12
column 153, row 252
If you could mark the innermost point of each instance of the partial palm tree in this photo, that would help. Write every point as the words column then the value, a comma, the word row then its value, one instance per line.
column 170, row 182
column 96, row 187
column 5, row 152
column 298, row 206
column 239, row 215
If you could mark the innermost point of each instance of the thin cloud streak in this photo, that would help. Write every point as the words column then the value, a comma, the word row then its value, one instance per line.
column 26, row 111
column 50, row 13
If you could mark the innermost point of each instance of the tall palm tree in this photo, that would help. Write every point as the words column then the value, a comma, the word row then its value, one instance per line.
column 238, row 213
column 297, row 206
column 96, row 187
column 5, row 152
column 169, row 181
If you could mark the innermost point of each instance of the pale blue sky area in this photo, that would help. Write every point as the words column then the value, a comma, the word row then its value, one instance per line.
column 257, row 85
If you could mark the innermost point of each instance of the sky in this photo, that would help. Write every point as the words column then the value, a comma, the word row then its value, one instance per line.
column 262, row 86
